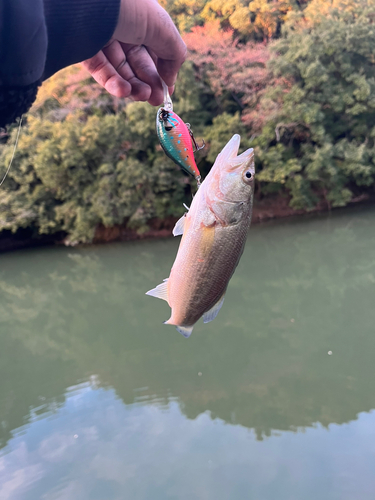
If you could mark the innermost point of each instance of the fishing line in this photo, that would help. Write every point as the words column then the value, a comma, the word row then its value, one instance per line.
column 14, row 152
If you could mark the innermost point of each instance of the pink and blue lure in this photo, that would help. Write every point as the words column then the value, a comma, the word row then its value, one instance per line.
column 176, row 138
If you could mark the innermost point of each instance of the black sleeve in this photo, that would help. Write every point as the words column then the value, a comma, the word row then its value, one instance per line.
column 23, row 42
column 40, row 37
column 77, row 30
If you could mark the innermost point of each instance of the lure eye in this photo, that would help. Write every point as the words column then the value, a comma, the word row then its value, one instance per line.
column 164, row 115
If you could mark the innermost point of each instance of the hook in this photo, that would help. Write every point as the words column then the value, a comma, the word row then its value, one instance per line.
column 197, row 148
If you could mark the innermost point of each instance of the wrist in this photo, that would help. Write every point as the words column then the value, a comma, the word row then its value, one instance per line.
column 132, row 23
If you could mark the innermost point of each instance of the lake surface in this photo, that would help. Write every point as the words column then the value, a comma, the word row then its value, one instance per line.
column 273, row 400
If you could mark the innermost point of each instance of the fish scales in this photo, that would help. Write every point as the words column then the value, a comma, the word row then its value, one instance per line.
column 214, row 235
column 199, row 286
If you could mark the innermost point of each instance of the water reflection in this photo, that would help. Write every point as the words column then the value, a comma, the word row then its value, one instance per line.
column 95, row 447
column 301, row 290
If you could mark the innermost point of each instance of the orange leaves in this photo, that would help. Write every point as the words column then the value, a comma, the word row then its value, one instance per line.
column 70, row 89
column 209, row 37
column 229, row 67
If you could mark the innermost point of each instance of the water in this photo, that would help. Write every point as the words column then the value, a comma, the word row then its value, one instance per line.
column 274, row 400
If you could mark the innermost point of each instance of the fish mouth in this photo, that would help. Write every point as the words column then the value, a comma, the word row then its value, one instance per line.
column 243, row 161
column 230, row 150
column 228, row 161
column 229, row 157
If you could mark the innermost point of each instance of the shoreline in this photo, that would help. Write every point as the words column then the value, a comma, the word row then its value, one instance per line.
column 263, row 211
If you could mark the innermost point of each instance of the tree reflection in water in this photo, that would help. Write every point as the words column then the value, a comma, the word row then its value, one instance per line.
column 302, row 289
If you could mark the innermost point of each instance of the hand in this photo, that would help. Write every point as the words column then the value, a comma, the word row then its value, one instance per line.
column 145, row 47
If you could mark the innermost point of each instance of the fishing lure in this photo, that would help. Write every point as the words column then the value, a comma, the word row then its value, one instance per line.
column 176, row 137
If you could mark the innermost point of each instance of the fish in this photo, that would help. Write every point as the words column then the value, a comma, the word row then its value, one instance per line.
column 176, row 138
column 214, row 233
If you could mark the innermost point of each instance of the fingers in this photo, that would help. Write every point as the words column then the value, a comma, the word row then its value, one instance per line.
column 105, row 74
column 146, row 47
column 143, row 65
column 112, row 71
column 126, row 70
column 145, row 22
column 140, row 90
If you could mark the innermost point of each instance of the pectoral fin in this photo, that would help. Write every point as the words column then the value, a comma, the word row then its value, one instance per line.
column 161, row 291
column 214, row 311
column 180, row 226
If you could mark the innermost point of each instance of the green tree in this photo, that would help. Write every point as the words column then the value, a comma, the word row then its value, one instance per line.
column 254, row 20
column 318, row 140
column 74, row 175
column 185, row 13
column 87, row 160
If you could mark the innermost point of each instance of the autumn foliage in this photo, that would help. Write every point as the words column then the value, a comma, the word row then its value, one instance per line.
column 233, row 70
column 294, row 77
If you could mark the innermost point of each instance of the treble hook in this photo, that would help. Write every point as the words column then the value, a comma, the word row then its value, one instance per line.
column 197, row 148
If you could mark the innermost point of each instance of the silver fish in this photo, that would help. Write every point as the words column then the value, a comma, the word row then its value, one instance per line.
column 214, row 234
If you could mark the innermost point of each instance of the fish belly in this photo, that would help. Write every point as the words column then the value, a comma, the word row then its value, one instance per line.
column 205, row 262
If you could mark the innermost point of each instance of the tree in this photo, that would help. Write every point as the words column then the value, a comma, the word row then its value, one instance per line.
column 318, row 141
column 236, row 73
column 257, row 20
column 73, row 175
column 185, row 13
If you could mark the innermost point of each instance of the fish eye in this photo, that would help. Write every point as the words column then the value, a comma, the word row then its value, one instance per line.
column 168, row 129
column 247, row 176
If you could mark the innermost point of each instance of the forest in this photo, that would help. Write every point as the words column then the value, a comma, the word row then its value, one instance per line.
column 295, row 78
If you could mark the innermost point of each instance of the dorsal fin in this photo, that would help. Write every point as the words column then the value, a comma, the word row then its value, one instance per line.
column 214, row 311
column 161, row 291
column 180, row 226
